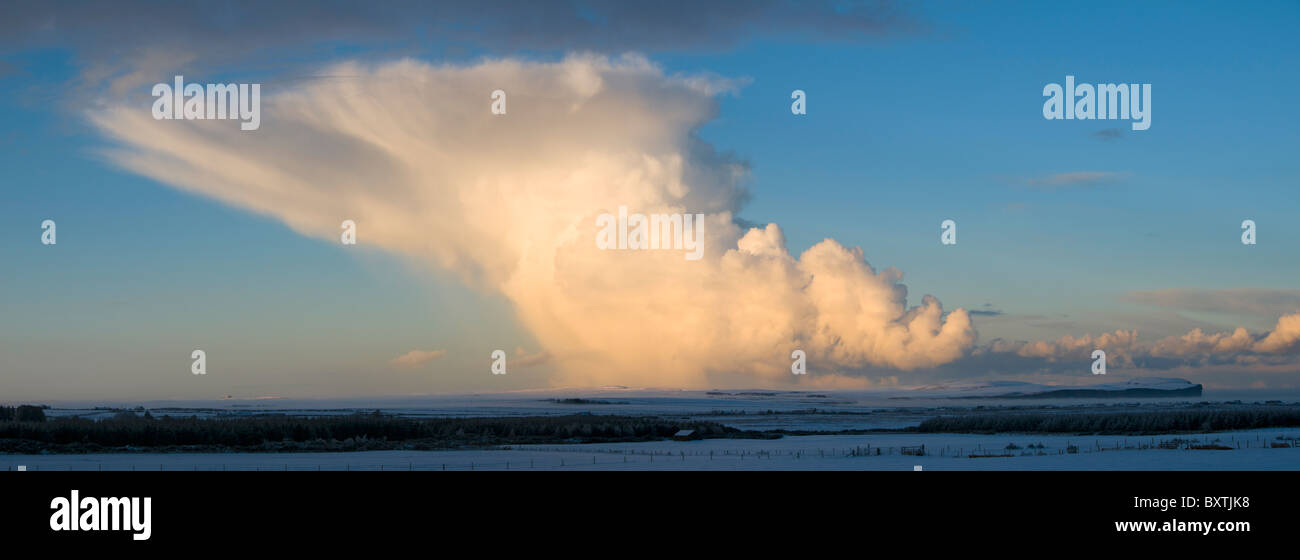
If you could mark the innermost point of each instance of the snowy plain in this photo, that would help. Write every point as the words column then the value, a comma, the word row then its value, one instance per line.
column 819, row 452
column 802, row 411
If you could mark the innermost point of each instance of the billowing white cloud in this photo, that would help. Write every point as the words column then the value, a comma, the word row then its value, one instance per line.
column 1285, row 337
column 1119, row 346
column 1239, row 345
column 1198, row 343
column 412, row 153
column 1117, row 341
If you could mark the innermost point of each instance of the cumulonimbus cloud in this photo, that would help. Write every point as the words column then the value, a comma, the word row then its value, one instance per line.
column 413, row 154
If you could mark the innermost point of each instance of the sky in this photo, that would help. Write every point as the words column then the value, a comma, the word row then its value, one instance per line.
column 474, row 229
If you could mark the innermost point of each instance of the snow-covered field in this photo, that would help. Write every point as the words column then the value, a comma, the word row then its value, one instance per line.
column 806, row 411
column 757, row 409
column 822, row 452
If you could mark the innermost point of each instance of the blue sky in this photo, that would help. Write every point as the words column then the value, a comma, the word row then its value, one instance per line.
column 903, row 130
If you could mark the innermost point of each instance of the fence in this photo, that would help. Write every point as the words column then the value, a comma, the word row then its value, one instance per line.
column 589, row 456
column 598, row 457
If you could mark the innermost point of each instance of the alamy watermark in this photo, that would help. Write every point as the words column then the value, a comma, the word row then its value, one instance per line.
column 656, row 231
column 498, row 362
column 182, row 101
column 200, row 364
column 1103, row 101
column 1099, row 362
column 75, row 513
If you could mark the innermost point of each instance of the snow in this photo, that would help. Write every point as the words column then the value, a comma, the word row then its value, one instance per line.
column 820, row 452
column 745, row 409
column 758, row 409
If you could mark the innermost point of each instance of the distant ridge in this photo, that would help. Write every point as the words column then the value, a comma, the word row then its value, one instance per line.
column 1077, row 393
column 1151, row 387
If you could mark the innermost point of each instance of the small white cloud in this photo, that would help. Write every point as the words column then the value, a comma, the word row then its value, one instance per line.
column 524, row 359
column 416, row 358
column 1075, row 179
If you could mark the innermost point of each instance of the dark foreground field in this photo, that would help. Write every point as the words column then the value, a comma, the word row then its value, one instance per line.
column 355, row 432
column 26, row 430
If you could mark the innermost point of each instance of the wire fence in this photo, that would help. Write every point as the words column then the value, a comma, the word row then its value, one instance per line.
column 587, row 456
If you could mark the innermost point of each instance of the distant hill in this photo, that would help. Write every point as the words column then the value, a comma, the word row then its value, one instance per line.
column 1139, row 387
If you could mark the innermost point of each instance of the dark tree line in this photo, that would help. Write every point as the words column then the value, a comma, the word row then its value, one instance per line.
column 22, row 413
column 251, row 431
column 1118, row 422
